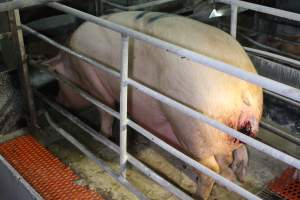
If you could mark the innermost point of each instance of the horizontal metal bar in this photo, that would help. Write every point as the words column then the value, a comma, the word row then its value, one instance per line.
column 274, row 56
column 115, row 5
column 139, row 6
column 282, row 98
column 91, row 156
column 69, row 51
column 280, row 132
column 267, row 83
column 234, row 133
column 100, row 138
column 218, row 178
column 18, row 4
column 149, row 4
column 263, row 9
column 83, row 93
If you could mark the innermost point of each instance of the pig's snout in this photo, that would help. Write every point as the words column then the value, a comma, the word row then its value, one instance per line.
column 249, row 127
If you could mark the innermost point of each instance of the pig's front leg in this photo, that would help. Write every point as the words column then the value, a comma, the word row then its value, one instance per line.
column 204, row 182
column 106, row 123
column 240, row 162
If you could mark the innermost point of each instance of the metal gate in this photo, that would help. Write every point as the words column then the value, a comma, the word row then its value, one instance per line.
column 270, row 85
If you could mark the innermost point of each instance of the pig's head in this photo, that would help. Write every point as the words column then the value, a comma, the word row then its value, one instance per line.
column 251, row 111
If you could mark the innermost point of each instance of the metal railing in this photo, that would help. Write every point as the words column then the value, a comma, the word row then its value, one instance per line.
column 269, row 84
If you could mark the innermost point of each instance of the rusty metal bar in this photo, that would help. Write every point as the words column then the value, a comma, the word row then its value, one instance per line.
column 23, row 67
column 18, row 4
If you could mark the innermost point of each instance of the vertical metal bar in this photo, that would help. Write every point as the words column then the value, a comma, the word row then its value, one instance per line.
column 96, row 7
column 101, row 7
column 23, row 67
column 123, row 105
column 233, row 22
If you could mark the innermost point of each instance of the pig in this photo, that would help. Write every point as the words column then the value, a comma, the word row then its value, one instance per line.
column 227, row 99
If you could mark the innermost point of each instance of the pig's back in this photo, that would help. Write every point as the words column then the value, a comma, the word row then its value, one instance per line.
column 187, row 33
column 195, row 85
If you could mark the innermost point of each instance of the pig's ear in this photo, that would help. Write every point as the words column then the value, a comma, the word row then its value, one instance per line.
column 246, row 97
column 54, row 62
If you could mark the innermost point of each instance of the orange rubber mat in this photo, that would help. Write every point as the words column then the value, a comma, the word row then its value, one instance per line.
column 286, row 186
column 43, row 171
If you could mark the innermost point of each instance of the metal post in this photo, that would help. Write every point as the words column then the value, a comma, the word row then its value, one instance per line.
column 23, row 67
column 101, row 7
column 123, row 105
column 233, row 22
column 96, row 7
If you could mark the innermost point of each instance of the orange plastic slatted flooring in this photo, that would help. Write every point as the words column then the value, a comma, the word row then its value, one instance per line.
column 43, row 171
column 286, row 186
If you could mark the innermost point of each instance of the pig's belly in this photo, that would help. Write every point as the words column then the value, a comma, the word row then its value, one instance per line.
column 146, row 111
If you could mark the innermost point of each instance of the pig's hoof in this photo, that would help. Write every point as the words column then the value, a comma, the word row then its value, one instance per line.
column 229, row 174
column 106, row 130
column 240, row 170
column 204, row 188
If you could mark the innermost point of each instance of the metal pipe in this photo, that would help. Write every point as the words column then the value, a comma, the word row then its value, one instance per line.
column 268, row 47
column 148, row 4
column 263, row 9
column 69, row 51
column 233, row 22
column 267, row 83
column 23, row 68
column 139, row 6
column 287, row 100
column 123, row 105
column 96, row 7
column 275, row 56
column 91, row 156
column 197, row 115
column 114, row 5
column 18, row 4
column 83, row 93
column 279, row 132
column 101, row 7
column 218, row 178
column 100, row 138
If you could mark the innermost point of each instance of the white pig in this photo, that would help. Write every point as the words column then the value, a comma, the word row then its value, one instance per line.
column 229, row 100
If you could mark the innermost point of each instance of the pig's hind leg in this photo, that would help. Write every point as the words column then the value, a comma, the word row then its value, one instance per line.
column 106, row 123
